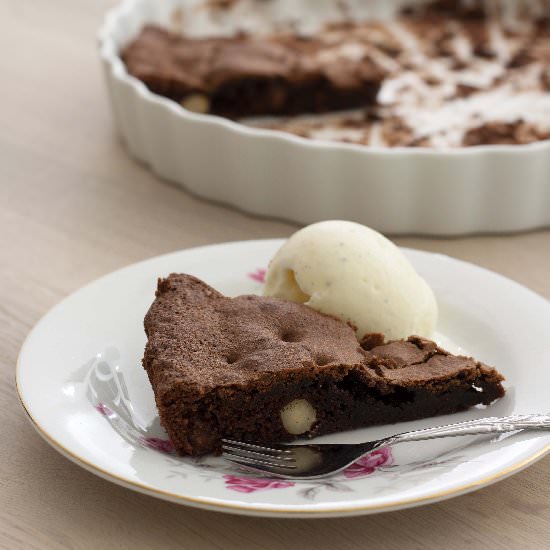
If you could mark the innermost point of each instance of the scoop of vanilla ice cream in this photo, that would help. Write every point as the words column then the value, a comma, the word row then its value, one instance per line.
column 353, row 272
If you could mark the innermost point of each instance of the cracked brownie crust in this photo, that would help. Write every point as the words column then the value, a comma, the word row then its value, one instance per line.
column 229, row 367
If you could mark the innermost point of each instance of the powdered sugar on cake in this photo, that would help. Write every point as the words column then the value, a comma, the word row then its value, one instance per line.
column 453, row 73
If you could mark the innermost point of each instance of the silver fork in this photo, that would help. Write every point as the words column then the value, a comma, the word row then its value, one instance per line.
column 311, row 461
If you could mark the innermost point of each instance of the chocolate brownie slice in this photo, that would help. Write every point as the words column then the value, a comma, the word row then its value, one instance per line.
column 265, row 369
column 249, row 75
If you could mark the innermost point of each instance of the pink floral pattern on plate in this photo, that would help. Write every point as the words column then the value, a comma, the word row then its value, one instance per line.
column 363, row 467
column 158, row 444
column 369, row 463
column 103, row 409
column 252, row 484
column 258, row 275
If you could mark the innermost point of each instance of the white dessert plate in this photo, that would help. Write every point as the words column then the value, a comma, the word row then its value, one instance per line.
column 80, row 380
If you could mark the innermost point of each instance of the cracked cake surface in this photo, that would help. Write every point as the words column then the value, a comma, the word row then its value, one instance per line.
column 229, row 367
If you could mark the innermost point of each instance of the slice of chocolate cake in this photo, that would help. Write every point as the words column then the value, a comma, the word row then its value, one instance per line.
column 253, row 75
column 263, row 369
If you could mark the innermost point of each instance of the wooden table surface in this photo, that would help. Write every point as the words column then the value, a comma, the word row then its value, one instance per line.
column 73, row 207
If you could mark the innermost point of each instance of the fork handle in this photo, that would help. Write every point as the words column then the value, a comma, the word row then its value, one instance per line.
column 481, row 426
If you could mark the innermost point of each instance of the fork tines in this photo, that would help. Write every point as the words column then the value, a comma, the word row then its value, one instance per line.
column 253, row 455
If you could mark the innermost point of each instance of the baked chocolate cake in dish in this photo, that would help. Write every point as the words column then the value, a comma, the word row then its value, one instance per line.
column 430, row 74
column 265, row 369
column 247, row 75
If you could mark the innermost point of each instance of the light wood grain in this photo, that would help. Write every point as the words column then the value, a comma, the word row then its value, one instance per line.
column 73, row 206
